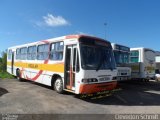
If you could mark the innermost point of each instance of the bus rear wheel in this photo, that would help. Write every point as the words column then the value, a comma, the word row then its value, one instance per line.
column 156, row 79
column 18, row 73
column 58, row 85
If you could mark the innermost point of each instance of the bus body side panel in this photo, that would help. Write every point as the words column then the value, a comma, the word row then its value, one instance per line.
column 146, row 67
column 40, row 72
column 149, row 62
column 10, row 62
column 9, row 66
column 142, row 70
column 136, row 71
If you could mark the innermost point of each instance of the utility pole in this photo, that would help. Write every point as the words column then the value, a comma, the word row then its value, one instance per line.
column 105, row 34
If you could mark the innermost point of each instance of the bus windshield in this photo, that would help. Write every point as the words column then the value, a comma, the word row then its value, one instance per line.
column 134, row 56
column 149, row 55
column 97, row 57
column 121, row 57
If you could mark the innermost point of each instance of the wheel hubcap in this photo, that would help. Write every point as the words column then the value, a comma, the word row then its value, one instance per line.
column 58, row 85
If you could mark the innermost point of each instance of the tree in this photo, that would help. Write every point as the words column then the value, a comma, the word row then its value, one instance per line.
column 0, row 64
column 3, row 62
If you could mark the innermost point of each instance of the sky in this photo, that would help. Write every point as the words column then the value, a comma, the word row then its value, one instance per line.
column 133, row 23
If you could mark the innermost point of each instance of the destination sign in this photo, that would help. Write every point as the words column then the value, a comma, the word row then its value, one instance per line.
column 123, row 48
column 94, row 41
column 33, row 65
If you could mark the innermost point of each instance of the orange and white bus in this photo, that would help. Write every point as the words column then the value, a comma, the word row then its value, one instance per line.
column 76, row 63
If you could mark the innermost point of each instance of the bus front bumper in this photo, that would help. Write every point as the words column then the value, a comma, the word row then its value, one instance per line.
column 93, row 88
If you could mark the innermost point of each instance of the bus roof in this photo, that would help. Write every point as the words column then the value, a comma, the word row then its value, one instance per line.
column 120, row 47
column 67, row 37
column 138, row 48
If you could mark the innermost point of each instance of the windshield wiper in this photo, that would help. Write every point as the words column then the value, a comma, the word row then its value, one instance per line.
column 103, row 59
column 111, row 68
column 101, row 62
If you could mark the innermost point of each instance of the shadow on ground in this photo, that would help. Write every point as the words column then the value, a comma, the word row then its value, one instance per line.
column 132, row 93
column 3, row 91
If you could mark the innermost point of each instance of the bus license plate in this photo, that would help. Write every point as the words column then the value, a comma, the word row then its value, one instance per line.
column 104, row 79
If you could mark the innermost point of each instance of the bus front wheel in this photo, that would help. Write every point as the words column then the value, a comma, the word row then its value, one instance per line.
column 58, row 85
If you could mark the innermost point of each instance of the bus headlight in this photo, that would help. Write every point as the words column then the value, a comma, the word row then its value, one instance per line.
column 89, row 80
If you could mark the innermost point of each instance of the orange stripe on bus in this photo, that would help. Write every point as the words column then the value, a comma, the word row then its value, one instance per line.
column 93, row 88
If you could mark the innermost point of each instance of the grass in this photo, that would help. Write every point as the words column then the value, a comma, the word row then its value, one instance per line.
column 4, row 75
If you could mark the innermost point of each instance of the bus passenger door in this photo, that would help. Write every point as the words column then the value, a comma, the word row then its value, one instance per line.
column 12, row 63
column 71, row 66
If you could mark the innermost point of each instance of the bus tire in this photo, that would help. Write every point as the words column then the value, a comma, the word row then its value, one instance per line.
column 18, row 73
column 58, row 85
column 156, row 79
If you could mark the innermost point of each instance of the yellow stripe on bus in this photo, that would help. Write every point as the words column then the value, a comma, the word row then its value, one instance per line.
column 57, row 67
column 9, row 63
column 150, row 68
column 135, row 67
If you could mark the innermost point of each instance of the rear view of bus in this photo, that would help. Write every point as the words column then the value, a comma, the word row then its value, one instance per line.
column 121, row 54
column 142, row 63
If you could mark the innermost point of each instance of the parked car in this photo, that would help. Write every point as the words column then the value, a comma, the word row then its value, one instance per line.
column 157, row 75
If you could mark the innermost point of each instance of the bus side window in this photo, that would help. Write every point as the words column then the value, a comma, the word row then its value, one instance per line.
column 134, row 56
column 31, row 55
column 77, row 65
column 18, row 53
column 43, row 52
column 157, row 71
column 9, row 54
column 23, row 53
column 57, row 51
column 75, row 60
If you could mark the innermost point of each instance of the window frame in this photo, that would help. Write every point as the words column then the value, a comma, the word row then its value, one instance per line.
column 48, row 51
column 32, row 53
column 57, row 51
column 9, row 54
column 135, row 55
column 18, row 54
column 24, row 54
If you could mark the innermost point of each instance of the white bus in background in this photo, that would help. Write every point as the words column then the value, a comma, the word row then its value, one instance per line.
column 121, row 54
column 157, row 71
column 75, row 63
column 142, row 61
column 157, row 55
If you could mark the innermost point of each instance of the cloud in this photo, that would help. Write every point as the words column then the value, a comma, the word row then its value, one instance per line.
column 52, row 21
column 79, row 32
column 83, row 33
